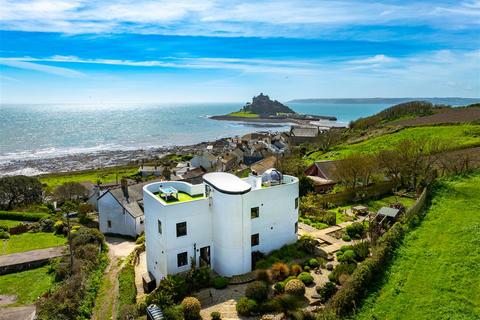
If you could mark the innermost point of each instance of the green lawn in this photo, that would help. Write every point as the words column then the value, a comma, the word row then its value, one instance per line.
column 435, row 274
column 182, row 197
column 30, row 241
column 105, row 175
column 9, row 223
column 458, row 136
column 375, row 205
column 243, row 114
column 26, row 285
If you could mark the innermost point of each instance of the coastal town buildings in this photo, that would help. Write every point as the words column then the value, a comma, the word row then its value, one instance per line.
column 322, row 174
column 219, row 223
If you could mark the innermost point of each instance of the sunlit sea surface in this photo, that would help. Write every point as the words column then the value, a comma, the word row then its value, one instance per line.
column 42, row 131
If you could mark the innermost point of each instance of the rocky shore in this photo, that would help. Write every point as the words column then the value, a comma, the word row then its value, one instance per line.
column 87, row 161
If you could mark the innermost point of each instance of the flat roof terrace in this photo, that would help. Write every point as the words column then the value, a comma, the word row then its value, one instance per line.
column 182, row 197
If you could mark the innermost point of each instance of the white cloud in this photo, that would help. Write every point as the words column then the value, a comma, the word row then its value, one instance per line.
column 59, row 71
column 222, row 17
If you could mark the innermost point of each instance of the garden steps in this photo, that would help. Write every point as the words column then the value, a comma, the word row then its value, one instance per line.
column 243, row 278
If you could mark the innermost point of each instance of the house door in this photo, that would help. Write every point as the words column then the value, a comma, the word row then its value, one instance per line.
column 205, row 257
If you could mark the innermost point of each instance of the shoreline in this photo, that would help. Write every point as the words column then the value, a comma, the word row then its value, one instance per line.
column 299, row 121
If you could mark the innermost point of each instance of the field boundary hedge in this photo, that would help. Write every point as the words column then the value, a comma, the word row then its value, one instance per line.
column 376, row 190
column 350, row 294
column 22, row 216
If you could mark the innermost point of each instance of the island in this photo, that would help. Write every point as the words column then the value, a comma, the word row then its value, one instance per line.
column 264, row 109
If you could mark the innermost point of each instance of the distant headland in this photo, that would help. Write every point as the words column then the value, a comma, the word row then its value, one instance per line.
column 263, row 109
column 454, row 101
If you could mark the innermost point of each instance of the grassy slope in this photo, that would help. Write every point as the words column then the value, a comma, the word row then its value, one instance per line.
column 243, row 114
column 30, row 241
column 26, row 285
column 435, row 273
column 106, row 175
column 458, row 135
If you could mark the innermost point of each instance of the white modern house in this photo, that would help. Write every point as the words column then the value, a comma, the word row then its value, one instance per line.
column 218, row 223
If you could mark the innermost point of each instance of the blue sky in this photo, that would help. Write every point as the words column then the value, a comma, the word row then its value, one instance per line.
column 218, row 50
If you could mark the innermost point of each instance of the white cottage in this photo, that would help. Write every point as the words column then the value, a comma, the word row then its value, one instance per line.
column 120, row 210
column 218, row 223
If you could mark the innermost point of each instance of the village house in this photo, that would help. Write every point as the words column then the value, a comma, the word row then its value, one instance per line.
column 301, row 134
column 120, row 210
column 219, row 223
column 322, row 174
column 146, row 171
column 206, row 160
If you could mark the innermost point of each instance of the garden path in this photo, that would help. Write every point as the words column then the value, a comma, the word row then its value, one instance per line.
column 107, row 300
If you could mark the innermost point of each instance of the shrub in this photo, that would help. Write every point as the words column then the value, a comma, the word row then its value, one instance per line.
column 4, row 227
column 307, row 243
column 263, row 275
column 279, row 271
column 257, row 290
column 313, row 263
column 342, row 268
column 220, row 282
column 216, row 315
column 140, row 239
column 355, row 230
column 295, row 287
column 361, row 250
column 279, row 287
column 86, row 235
column 295, row 270
column 173, row 313
column 346, row 238
column 58, row 227
column 348, row 256
column 246, row 307
column 191, row 308
column 327, row 291
column 4, row 234
column 306, row 268
column 306, row 278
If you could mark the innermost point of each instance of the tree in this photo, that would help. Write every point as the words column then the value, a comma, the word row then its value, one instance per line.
column 354, row 170
column 71, row 191
column 19, row 190
column 328, row 138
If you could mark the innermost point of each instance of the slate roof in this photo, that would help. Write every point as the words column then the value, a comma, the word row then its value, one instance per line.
column 263, row 165
column 135, row 195
column 388, row 212
column 310, row 132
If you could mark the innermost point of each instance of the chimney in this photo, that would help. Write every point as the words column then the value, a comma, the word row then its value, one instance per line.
column 124, row 184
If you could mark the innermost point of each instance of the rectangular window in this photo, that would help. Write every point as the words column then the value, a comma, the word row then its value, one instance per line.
column 181, row 229
column 182, row 259
column 109, row 223
column 296, row 203
column 255, row 239
column 159, row 226
column 296, row 227
column 254, row 212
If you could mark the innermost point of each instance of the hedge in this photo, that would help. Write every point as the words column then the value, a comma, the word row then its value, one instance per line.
column 22, row 216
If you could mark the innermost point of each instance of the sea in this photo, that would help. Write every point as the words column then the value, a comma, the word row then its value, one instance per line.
column 40, row 131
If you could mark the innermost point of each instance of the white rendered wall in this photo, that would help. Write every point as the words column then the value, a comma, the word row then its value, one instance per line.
column 162, row 249
column 122, row 222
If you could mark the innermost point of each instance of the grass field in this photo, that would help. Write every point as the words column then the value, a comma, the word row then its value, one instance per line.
column 9, row 223
column 105, row 175
column 435, row 274
column 243, row 114
column 26, row 285
column 458, row 135
column 30, row 241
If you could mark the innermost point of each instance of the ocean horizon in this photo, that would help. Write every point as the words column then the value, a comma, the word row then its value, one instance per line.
column 39, row 131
